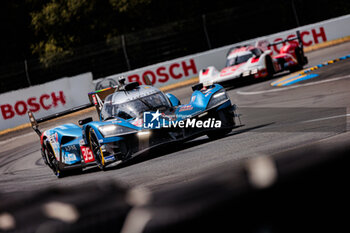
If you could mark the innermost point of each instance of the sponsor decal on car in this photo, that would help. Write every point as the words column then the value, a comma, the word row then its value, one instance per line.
column 87, row 154
column 70, row 157
column 109, row 158
column 207, row 94
column 186, row 108
column 137, row 122
column 70, row 148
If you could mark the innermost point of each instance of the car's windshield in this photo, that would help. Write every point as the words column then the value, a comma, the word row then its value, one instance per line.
column 134, row 108
column 238, row 59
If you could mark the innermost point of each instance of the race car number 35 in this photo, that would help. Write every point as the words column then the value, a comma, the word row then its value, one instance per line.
column 87, row 154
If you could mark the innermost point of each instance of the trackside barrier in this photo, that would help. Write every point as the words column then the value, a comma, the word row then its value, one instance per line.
column 184, row 68
column 60, row 95
column 45, row 99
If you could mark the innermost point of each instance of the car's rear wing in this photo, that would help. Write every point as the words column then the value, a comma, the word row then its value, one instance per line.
column 96, row 99
column 35, row 122
column 297, row 37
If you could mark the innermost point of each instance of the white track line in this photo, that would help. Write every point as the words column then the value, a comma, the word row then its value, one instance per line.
column 292, row 87
column 326, row 118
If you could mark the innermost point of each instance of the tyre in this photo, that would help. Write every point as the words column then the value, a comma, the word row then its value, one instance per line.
column 125, row 152
column 44, row 156
column 227, row 122
column 299, row 56
column 300, row 59
column 269, row 67
column 96, row 149
column 52, row 161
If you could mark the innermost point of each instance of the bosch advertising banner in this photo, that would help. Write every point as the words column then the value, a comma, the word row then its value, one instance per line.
column 57, row 96
column 161, row 74
column 165, row 73
column 44, row 100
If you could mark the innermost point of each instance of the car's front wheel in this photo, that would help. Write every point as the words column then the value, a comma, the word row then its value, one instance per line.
column 52, row 161
column 96, row 149
column 227, row 123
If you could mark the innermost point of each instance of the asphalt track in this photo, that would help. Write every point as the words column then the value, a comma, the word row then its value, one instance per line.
column 275, row 119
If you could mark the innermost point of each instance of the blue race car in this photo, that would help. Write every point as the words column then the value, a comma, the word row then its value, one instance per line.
column 134, row 119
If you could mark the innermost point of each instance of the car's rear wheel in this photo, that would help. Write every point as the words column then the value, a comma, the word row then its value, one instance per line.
column 96, row 149
column 269, row 67
column 300, row 59
column 299, row 56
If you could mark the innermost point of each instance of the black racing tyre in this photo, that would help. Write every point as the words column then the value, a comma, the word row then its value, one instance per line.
column 96, row 149
column 227, row 122
column 52, row 161
column 125, row 150
column 44, row 156
column 269, row 67
column 300, row 59
column 299, row 56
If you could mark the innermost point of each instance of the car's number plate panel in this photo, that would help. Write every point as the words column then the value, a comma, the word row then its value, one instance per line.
column 87, row 154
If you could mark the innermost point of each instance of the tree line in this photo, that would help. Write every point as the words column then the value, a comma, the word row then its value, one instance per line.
column 51, row 30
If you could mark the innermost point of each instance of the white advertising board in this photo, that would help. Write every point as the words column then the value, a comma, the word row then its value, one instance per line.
column 59, row 95
column 44, row 99
column 181, row 69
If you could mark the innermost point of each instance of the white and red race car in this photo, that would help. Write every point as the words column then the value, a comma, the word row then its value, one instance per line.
column 252, row 62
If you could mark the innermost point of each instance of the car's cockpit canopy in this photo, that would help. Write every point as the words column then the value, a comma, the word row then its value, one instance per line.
column 134, row 108
column 242, row 55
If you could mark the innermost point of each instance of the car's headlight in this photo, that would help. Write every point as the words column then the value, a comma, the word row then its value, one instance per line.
column 254, row 71
column 114, row 130
column 217, row 98
column 246, row 73
column 250, row 72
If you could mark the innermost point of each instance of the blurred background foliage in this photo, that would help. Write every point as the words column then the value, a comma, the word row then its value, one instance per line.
column 60, row 38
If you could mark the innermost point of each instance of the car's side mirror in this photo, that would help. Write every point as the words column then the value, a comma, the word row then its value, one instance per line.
column 85, row 121
column 131, row 86
column 173, row 100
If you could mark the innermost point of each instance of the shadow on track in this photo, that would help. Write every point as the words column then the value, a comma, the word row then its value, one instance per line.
column 167, row 149
column 176, row 147
column 249, row 82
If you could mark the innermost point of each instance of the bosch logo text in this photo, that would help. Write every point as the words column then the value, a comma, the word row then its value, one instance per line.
column 162, row 74
column 34, row 104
